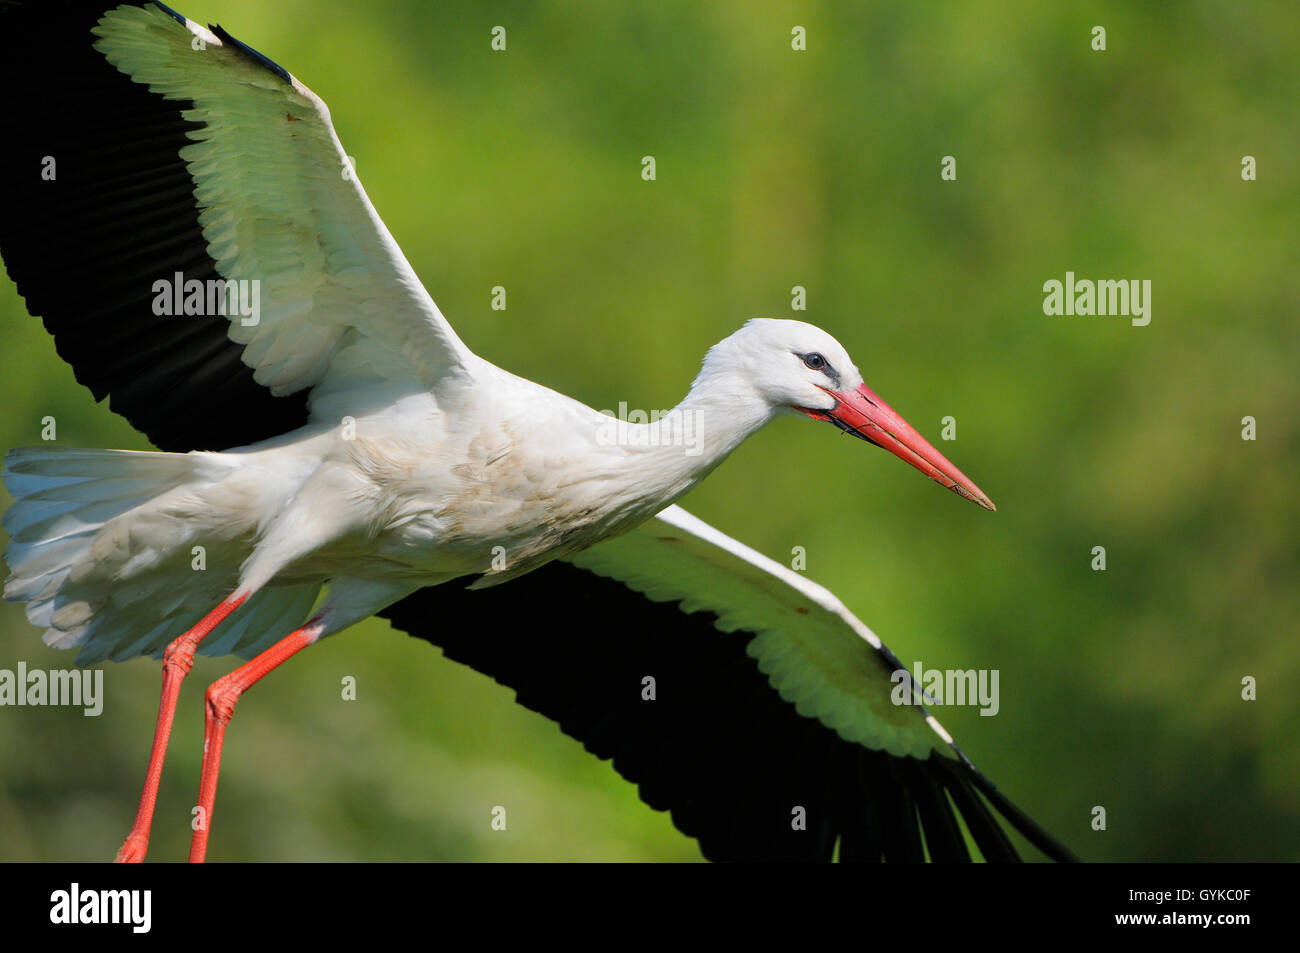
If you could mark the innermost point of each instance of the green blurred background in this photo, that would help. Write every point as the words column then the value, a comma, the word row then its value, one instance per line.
column 819, row 168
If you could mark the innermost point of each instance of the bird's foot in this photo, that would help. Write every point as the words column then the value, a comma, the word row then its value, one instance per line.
column 132, row 850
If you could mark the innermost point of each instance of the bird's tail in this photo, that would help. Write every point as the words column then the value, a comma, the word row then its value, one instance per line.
column 119, row 552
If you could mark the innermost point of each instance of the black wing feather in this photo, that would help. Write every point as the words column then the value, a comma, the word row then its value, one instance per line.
column 717, row 747
column 86, row 247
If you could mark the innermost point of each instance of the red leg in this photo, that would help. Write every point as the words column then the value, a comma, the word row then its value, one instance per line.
column 178, row 659
column 221, row 698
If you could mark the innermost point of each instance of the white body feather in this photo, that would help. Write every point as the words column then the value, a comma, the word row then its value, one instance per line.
column 493, row 479
column 420, row 462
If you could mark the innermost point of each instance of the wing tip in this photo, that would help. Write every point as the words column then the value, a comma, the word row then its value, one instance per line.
column 1026, row 826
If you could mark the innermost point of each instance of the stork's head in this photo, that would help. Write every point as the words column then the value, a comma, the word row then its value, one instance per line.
column 795, row 366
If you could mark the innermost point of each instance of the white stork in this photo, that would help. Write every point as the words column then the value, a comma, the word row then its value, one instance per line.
column 344, row 441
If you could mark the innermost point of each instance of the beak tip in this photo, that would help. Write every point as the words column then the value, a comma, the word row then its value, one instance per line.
column 974, row 494
column 865, row 415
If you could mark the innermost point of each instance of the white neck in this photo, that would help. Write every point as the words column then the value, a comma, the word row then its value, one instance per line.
column 671, row 455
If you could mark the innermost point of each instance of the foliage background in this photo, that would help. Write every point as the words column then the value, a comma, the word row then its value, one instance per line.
column 819, row 168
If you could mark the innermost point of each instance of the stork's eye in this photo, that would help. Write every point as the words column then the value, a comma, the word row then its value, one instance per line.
column 815, row 361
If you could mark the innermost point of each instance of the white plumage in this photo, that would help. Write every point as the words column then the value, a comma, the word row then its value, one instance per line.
column 412, row 461
column 400, row 493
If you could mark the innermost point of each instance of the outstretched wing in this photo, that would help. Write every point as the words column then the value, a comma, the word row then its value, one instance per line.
column 738, row 695
column 146, row 156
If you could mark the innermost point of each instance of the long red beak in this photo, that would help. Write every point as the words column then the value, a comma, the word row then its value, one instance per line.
column 865, row 415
